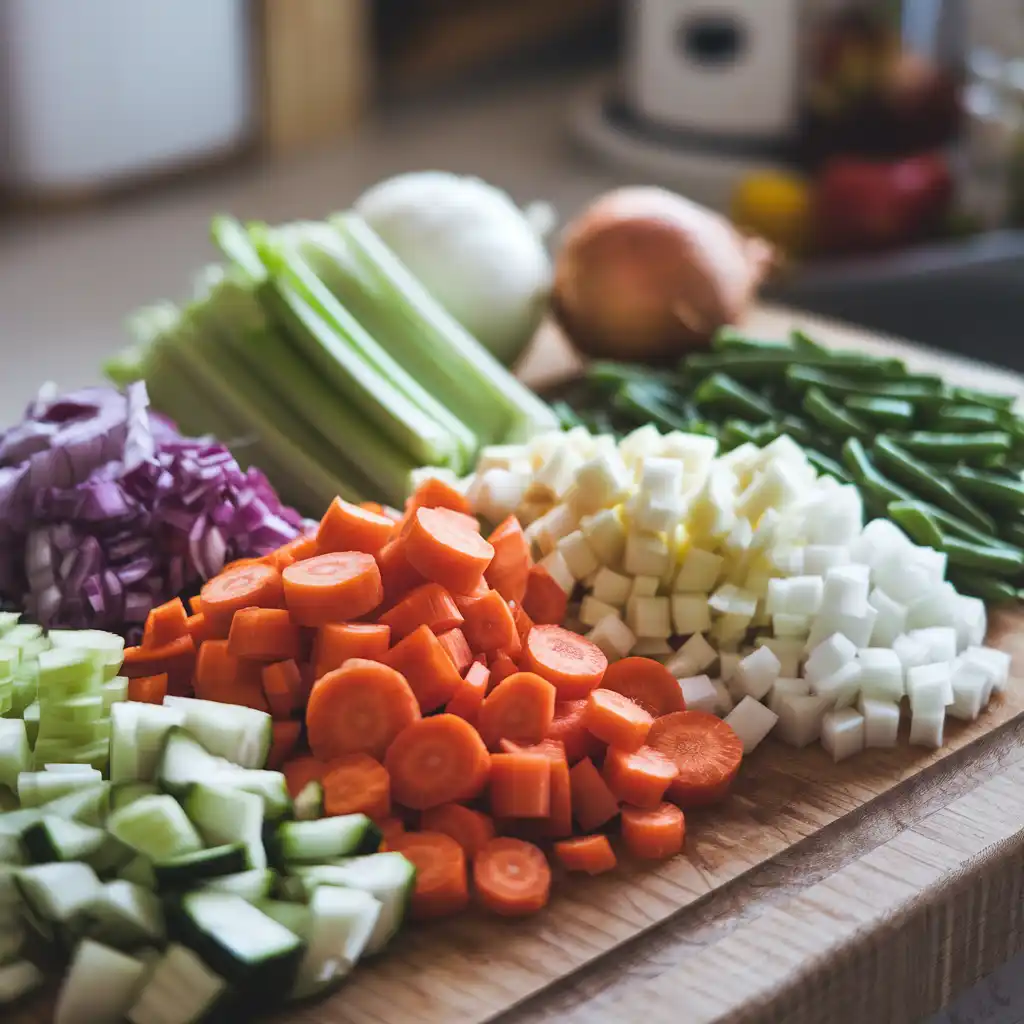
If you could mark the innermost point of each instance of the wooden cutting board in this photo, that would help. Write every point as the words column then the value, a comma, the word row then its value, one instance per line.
column 477, row 968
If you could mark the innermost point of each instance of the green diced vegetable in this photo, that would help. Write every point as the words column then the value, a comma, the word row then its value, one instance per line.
column 833, row 417
column 989, row 487
column 889, row 412
column 941, row 447
column 999, row 561
column 917, row 522
column 721, row 392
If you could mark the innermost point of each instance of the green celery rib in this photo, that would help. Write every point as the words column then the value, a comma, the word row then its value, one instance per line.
column 453, row 365
column 375, row 381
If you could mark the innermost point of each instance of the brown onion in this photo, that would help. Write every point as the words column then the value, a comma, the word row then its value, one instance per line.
column 644, row 273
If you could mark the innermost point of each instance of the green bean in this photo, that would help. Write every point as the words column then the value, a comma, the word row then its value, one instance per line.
column 597, row 421
column 802, row 340
column 999, row 561
column 607, row 373
column 759, row 364
column 828, row 466
column 728, row 339
column 1013, row 533
column 917, row 522
column 917, row 390
column 964, row 418
column 955, row 527
column 799, row 430
column 833, row 417
column 990, row 590
column 869, row 478
column 735, row 432
column 941, row 447
column 722, row 392
column 975, row 397
column 567, row 417
column 995, row 487
column 922, row 478
column 634, row 400
column 890, row 412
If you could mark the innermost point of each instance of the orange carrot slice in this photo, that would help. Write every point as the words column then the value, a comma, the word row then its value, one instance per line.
column 357, row 784
column 520, row 785
column 197, row 627
column 593, row 803
column 437, row 760
column 645, row 682
column 706, row 752
column 263, row 634
column 592, row 854
column 249, row 586
column 511, row 878
column 472, row 830
column 174, row 659
column 457, row 648
column 640, row 778
column 332, row 588
column 545, row 601
column 616, row 720
column 397, row 575
column 523, row 621
column 510, row 567
column 571, row 663
column 222, row 677
column 654, row 834
column 442, row 886
column 502, row 666
column 282, row 686
column 165, row 624
column 339, row 641
column 427, row 667
column 489, row 624
column 390, row 829
column 429, row 605
column 441, row 545
column 148, row 689
column 559, row 820
column 569, row 728
column 358, row 708
column 469, row 697
column 296, row 550
column 435, row 493
column 195, row 605
column 284, row 740
column 520, row 708
column 347, row 527
column 299, row 772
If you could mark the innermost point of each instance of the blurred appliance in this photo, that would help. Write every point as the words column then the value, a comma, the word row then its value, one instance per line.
column 98, row 92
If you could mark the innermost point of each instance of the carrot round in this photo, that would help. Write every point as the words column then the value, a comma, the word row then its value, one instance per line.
column 435, row 493
column 645, row 682
column 616, row 720
column 592, row 854
column 397, row 575
column 490, row 626
column 199, row 629
column 569, row 729
column 339, row 641
column 332, row 588
column 559, row 819
column 639, row 778
column 654, row 834
column 706, row 752
column 593, row 803
column 523, row 621
column 358, row 709
column 248, row 586
column 511, row 877
column 284, row 740
column 520, row 708
column 299, row 772
column 510, row 567
column 441, row 546
column 296, row 550
column 520, row 785
column 463, row 601
column 424, row 663
column 164, row 624
column 571, row 663
column 457, row 648
column 223, row 677
column 357, row 784
column 263, row 634
column 390, row 829
column 469, row 697
column 437, row 760
column 502, row 666
column 429, row 605
column 545, row 601
column 442, row 887
column 282, row 686
column 148, row 689
column 472, row 830
column 347, row 527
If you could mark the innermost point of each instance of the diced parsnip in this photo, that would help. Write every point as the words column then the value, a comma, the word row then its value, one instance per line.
column 939, row 640
column 657, row 515
column 690, row 614
column 578, row 554
column 819, row 558
column 530, row 511
column 789, row 651
column 881, row 673
column 695, row 655
column 647, row 554
column 592, row 611
column 699, row 694
column 649, row 617
column 842, row 733
column 498, row 493
column 423, row 473
column 778, row 485
column 756, row 581
column 603, row 444
column 639, row 444
column 787, row 559
column 712, row 512
column 841, row 688
column 729, row 631
column 606, row 534
column 839, row 517
column 845, row 590
column 602, row 482
column 652, row 647
column 879, row 542
column 557, row 473
column 971, row 689
column 756, row 673
column 936, row 608
column 742, row 460
column 695, row 451
column 611, row 587
column 739, row 538
column 732, row 600
column 856, row 628
column 971, row 621
column 513, row 457
column 785, row 687
column 725, row 702
column 661, row 478
column 996, row 663
column 881, row 721
column 728, row 662
column 930, row 688
column 580, row 441
column 547, row 531
column 891, row 620
column 798, row 595
column 699, row 571
column 555, row 565
column 643, row 586
column 751, row 721
column 543, row 446
column 800, row 718
column 911, row 652
column 927, row 728
column 785, row 625
column 613, row 636
column 15, row 752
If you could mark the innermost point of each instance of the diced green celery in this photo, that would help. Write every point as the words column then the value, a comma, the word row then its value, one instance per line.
column 8, row 620
column 114, row 692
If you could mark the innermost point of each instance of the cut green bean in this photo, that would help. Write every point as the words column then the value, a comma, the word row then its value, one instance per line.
column 567, row 417
column 721, row 392
column 941, row 447
column 954, row 526
column 827, row 466
column 799, row 430
column 889, row 412
column 984, row 398
column 990, row 590
column 758, row 365
column 917, row 522
column 736, row 432
column 989, row 487
column 634, row 400
column 833, row 417
column 966, row 418
column 728, row 339
column 802, row 340
column 869, row 478
column 921, row 389
column 997, row 561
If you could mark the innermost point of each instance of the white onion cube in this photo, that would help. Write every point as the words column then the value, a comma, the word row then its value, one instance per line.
column 997, row 663
column 787, row 688
column 789, row 651
column 939, row 640
column 788, row 559
column 559, row 571
column 881, row 722
column 800, row 718
column 971, row 689
column 724, row 703
column 732, row 600
column 699, row 571
column 695, row 655
column 856, row 628
column 652, row 647
column 751, row 721
column 647, row 554
column 611, row 587
column 649, row 617
column 930, row 688
column 515, row 457
column 699, row 694
column 881, row 673
column 551, row 527
column 729, row 631
column 690, row 613
column 926, row 728
column 592, row 611
column 606, row 534
column 557, row 473
column 578, row 554
column 842, row 733
column 613, row 636
column 841, row 688
column 602, row 482
column 971, row 621
column 497, row 493
column 728, row 662
column 757, row 673
column 891, row 620
column 786, row 625
column 798, row 595
column 911, row 652
column 658, row 515
column 845, row 590
column 819, row 558
column 828, row 657
column 640, row 443
column 937, row 607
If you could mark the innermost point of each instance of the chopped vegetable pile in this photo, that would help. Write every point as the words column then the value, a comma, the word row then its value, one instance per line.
column 107, row 510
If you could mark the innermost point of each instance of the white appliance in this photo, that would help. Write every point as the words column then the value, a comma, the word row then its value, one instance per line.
column 97, row 91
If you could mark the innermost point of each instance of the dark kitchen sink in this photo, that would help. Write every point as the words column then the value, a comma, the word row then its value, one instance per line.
column 966, row 298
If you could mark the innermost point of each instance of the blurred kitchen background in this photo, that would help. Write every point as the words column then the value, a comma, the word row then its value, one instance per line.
column 880, row 143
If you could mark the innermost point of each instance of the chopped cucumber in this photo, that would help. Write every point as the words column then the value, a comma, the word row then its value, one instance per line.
column 30, row 716
column 11, row 851
column 60, row 839
column 57, row 892
column 18, row 980
column 123, row 794
column 89, row 805
column 253, row 886
column 186, row 870
column 239, row 734
column 180, row 990
column 114, row 691
column 296, row 917
column 226, row 816
column 8, row 801
column 36, row 788
column 124, row 747
column 68, row 769
column 99, row 987
column 387, row 876
column 152, row 724
column 157, row 827
column 125, row 916
column 270, row 786
column 13, row 823
column 309, row 804
column 8, row 620
column 139, row 870
column 15, row 752
column 12, row 939
column 311, row 842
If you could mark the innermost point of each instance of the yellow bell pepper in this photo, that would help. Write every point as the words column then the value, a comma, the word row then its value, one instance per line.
column 777, row 206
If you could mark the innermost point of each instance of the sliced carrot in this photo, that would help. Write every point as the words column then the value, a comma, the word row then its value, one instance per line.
column 308, row 676
column 437, row 760
column 469, row 697
column 299, row 772
column 571, row 663
column 645, row 682
column 592, row 854
column 434, row 493
column 397, row 575
column 520, row 785
column 175, row 658
column 284, row 740
column 559, row 820
column 358, row 709
column 441, row 545
column 640, row 778
column 523, row 621
column 545, row 601
column 263, row 634
column 472, row 830
column 442, row 886
column 164, row 624
column 502, row 666
column 593, row 803
column 457, row 648
column 616, row 720
column 429, row 605
column 569, row 728
column 148, row 689
column 282, row 686
column 514, row 649
column 427, row 667
column 520, row 708
column 197, row 627
column 357, row 784
column 330, row 588
column 223, row 677
column 463, row 601
column 511, row 878
column 195, row 604
column 706, row 752
column 489, row 624
column 654, row 834
column 339, row 641
column 294, row 551
column 347, row 527
column 391, row 829
column 510, row 567
column 250, row 586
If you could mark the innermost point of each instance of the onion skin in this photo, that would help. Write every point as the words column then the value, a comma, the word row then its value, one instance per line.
column 644, row 274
